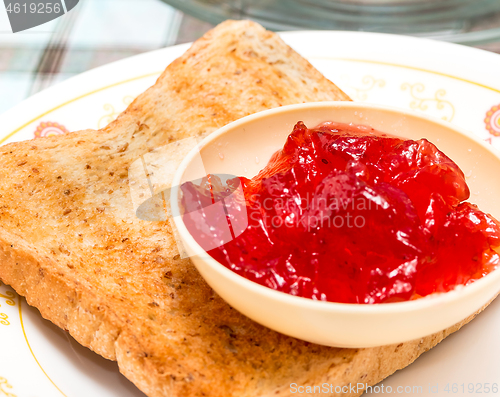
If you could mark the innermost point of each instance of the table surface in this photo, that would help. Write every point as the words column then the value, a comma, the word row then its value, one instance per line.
column 94, row 33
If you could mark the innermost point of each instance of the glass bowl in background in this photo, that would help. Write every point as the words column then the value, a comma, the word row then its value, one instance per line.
column 470, row 22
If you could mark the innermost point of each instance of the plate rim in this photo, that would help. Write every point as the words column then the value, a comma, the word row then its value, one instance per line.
column 50, row 93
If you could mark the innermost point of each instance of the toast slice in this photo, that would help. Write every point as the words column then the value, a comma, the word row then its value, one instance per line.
column 70, row 241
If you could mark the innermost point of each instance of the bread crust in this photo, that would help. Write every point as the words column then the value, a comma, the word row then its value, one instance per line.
column 72, row 245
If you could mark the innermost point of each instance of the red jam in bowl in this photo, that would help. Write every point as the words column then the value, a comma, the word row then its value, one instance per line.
column 347, row 214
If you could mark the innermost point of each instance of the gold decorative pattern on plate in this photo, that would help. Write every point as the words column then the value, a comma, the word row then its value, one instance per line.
column 9, row 297
column 422, row 102
column 112, row 114
column 49, row 128
column 4, row 319
column 4, row 384
column 368, row 83
column 492, row 120
column 31, row 350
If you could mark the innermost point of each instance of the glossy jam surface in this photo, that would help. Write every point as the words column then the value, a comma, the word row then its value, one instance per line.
column 347, row 214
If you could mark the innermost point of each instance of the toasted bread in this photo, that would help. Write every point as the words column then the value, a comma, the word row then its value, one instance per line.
column 70, row 241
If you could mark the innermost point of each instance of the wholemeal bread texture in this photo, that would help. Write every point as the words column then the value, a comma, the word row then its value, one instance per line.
column 70, row 241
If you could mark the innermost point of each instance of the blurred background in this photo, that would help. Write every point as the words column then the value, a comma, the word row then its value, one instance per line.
column 97, row 32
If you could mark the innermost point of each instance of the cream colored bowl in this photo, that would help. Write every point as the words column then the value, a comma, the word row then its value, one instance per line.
column 243, row 148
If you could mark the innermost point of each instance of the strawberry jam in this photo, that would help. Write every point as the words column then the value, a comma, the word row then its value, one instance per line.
column 347, row 214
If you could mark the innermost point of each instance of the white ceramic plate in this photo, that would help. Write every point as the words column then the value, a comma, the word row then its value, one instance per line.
column 457, row 84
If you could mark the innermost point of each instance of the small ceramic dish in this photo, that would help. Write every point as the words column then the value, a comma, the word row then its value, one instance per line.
column 243, row 148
